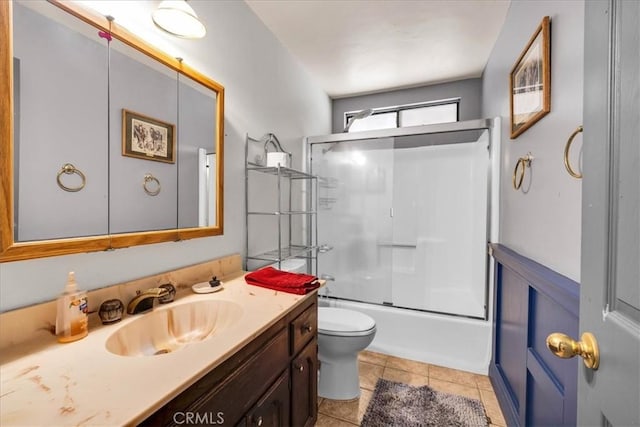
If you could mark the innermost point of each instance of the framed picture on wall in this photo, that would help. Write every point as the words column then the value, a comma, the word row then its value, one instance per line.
column 530, row 81
column 147, row 138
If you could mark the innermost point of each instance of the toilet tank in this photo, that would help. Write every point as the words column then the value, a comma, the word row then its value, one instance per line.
column 293, row 265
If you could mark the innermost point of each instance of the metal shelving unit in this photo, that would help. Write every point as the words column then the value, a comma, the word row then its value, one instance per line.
column 284, row 248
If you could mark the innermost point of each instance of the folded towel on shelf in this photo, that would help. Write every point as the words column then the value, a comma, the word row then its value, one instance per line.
column 293, row 283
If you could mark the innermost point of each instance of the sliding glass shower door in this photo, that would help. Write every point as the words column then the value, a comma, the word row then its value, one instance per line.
column 407, row 220
column 355, row 194
column 440, row 228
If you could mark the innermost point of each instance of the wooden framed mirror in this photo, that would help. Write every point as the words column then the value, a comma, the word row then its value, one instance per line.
column 68, row 181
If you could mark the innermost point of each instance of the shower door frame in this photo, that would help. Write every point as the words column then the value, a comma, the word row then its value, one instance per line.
column 440, row 128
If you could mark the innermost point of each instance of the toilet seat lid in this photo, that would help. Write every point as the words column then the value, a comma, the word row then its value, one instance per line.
column 331, row 319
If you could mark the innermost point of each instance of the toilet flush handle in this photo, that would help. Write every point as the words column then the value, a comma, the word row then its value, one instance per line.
column 324, row 248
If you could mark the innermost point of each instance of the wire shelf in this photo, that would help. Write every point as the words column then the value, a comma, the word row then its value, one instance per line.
column 286, row 253
column 285, row 172
column 283, row 213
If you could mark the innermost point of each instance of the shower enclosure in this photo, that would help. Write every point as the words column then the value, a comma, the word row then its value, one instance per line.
column 403, row 216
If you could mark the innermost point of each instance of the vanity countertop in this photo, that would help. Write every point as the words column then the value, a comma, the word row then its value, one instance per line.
column 82, row 383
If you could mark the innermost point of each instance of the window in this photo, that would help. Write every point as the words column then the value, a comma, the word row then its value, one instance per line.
column 427, row 113
column 375, row 121
column 444, row 113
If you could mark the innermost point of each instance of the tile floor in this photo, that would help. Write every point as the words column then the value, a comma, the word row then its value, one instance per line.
column 335, row 413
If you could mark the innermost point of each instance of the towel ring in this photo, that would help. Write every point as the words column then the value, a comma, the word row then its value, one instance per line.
column 526, row 163
column 567, row 147
column 69, row 169
column 150, row 178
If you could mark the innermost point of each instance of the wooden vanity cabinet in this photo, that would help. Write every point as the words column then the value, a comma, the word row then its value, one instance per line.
column 271, row 381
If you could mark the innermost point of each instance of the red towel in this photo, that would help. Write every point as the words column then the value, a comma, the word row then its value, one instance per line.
column 293, row 283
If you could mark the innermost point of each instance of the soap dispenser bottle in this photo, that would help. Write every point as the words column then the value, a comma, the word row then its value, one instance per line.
column 72, row 322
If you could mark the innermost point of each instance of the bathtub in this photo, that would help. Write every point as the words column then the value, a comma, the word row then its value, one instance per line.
column 454, row 342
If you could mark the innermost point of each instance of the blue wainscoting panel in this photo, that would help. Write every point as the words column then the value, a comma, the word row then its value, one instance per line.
column 511, row 348
column 545, row 398
column 534, row 387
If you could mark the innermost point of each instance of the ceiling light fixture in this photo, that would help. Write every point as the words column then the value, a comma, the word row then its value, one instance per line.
column 177, row 18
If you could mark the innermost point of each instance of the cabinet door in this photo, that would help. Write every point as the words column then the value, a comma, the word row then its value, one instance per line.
column 304, row 386
column 272, row 410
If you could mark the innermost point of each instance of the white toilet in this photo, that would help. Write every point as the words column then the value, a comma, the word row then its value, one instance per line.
column 341, row 335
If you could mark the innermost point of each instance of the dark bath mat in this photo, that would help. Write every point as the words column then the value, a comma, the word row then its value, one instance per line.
column 397, row 404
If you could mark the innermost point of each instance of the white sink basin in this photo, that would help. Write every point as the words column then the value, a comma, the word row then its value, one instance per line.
column 173, row 328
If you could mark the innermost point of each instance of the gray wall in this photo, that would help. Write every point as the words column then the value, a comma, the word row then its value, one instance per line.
column 469, row 91
column 267, row 90
column 543, row 223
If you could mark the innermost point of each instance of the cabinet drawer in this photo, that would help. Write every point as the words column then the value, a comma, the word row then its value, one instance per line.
column 304, row 328
column 242, row 389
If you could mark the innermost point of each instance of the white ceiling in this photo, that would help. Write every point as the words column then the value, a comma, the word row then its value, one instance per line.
column 362, row 46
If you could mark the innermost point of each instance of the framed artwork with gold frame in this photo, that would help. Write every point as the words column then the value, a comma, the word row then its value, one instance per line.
column 147, row 138
column 530, row 81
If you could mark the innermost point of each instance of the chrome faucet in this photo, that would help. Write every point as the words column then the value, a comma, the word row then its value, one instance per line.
column 143, row 301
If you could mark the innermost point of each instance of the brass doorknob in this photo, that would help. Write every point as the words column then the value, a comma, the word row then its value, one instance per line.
column 566, row 347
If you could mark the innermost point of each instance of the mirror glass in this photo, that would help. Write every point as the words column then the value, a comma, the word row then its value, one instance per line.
column 60, row 115
column 196, row 154
column 143, row 114
column 105, row 141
